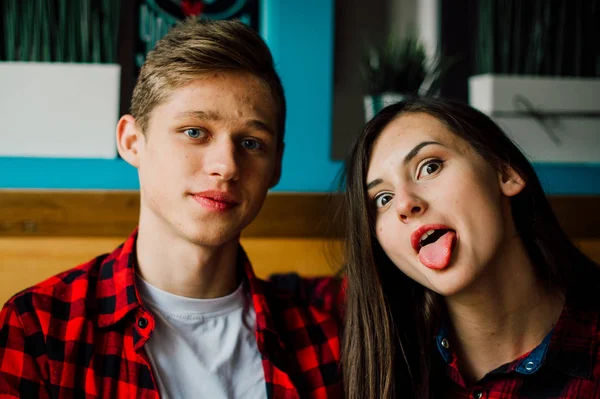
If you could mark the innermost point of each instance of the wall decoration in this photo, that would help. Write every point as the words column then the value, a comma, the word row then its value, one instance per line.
column 157, row 16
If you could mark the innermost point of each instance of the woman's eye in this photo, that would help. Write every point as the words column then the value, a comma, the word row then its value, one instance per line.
column 193, row 133
column 430, row 167
column 382, row 200
column 251, row 144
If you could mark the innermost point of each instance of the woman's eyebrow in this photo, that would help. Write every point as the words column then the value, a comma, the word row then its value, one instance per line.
column 409, row 157
column 413, row 153
column 374, row 183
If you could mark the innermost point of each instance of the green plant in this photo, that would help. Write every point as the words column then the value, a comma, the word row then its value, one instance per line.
column 402, row 66
column 59, row 30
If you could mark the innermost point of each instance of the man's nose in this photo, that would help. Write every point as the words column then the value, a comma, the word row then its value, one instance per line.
column 221, row 160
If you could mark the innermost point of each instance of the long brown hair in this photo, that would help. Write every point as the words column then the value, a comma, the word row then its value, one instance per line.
column 391, row 321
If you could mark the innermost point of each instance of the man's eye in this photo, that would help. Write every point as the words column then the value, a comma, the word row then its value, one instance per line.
column 430, row 167
column 193, row 133
column 382, row 200
column 251, row 144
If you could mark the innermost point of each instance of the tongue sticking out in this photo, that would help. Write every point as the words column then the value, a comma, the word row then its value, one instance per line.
column 437, row 254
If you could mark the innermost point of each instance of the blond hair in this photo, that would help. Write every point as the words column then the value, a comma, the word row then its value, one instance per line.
column 198, row 47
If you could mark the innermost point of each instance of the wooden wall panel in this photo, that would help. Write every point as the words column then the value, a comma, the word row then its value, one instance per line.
column 45, row 232
column 115, row 214
column 591, row 247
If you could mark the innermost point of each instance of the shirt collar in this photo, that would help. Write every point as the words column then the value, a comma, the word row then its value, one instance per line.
column 265, row 324
column 116, row 294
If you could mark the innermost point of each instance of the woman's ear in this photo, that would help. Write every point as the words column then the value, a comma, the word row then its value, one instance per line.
column 129, row 140
column 511, row 182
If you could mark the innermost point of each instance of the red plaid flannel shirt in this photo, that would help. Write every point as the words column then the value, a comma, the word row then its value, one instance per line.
column 81, row 334
column 565, row 365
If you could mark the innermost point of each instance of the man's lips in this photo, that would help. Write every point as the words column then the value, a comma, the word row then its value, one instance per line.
column 415, row 237
column 216, row 199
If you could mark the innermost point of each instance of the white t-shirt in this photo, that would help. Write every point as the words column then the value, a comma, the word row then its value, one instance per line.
column 204, row 348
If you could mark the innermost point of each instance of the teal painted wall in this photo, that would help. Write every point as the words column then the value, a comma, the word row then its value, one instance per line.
column 300, row 35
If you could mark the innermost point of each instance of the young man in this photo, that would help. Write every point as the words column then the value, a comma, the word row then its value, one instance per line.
column 176, row 311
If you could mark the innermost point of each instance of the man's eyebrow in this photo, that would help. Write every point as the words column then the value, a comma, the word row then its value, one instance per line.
column 409, row 157
column 260, row 125
column 413, row 153
column 216, row 116
column 207, row 115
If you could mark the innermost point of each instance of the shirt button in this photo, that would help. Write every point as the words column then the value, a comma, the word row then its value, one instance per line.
column 529, row 366
column 445, row 343
column 478, row 394
column 142, row 322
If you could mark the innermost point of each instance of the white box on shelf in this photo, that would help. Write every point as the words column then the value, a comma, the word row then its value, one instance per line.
column 550, row 119
column 58, row 110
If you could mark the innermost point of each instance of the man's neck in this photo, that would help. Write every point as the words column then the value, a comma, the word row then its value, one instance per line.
column 178, row 266
column 505, row 315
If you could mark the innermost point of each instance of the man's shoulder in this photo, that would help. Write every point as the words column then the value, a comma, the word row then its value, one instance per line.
column 306, row 317
column 312, row 294
column 59, row 291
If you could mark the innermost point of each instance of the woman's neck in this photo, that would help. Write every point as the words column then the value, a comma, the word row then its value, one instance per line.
column 505, row 314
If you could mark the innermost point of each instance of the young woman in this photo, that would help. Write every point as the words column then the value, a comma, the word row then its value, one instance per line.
column 461, row 283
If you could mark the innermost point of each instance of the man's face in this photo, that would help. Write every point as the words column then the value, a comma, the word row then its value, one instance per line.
column 208, row 157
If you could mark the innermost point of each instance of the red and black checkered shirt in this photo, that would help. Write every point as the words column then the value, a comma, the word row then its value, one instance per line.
column 81, row 334
column 565, row 365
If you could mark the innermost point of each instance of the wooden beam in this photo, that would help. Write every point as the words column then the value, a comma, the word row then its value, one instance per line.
column 115, row 214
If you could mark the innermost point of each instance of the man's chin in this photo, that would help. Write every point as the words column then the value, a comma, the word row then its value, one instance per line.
column 213, row 237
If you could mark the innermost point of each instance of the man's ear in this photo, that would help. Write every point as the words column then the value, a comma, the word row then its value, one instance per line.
column 277, row 170
column 129, row 140
column 511, row 182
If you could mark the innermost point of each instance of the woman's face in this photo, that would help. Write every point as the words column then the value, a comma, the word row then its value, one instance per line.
column 441, row 211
